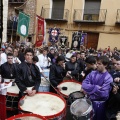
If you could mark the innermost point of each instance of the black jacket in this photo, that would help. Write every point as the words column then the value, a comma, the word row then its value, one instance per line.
column 73, row 67
column 57, row 73
column 8, row 69
column 114, row 99
column 22, row 80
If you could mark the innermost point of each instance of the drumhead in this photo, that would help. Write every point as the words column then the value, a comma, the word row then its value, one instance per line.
column 13, row 90
column 72, row 86
column 81, row 107
column 45, row 104
column 27, row 117
column 77, row 95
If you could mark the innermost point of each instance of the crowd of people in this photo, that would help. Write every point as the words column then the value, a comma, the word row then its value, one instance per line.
column 97, row 70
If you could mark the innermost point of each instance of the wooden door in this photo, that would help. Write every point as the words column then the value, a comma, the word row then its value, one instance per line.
column 92, row 40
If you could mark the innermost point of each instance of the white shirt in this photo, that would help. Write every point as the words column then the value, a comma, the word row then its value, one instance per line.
column 43, row 61
column 16, row 58
column 3, row 58
column 37, row 64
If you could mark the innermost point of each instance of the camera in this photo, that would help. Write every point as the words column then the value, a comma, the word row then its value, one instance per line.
column 115, row 84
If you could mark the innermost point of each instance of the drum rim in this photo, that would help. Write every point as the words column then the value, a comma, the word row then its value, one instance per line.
column 64, row 82
column 78, row 100
column 49, row 116
column 12, row 94
column 26, row 114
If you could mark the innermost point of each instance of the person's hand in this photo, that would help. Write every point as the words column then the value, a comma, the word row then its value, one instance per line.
column 29, row 92
column 83, row 91
column 115, row 89
column 117, row 79
column 16, row 61
column 33, row 93
column 68, row 74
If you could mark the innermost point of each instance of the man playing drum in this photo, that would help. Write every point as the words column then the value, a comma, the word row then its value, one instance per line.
column 28, row 76
column 97, row 86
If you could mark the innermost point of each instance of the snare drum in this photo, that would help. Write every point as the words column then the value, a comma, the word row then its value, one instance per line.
column 49, row 105
column 71, row 86
column 26, row 117
column 74, row 96
column 12, row 97
column 81, row 109
column 45, row 84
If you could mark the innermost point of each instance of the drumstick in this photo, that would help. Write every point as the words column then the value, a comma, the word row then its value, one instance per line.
column 53, row 87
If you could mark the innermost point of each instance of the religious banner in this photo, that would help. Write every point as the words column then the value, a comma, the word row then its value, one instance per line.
column 39, row 31
column 83, row 40
column 63, row 41
column 76, row 38
column 54, row 34
column 23, row 24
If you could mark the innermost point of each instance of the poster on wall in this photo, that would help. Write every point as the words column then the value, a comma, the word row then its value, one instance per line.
column 39, row 31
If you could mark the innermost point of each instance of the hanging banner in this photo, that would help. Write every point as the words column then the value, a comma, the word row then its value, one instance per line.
column 23, row 24
column 63, row 41
column 76, row 38
column 39, row 31
column 54, row 34
column 83, row 40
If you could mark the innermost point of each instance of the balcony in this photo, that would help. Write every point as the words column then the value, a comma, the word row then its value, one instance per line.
column 17, row 1
column 55, row 14
column 11, row 27
column 97, row 16
column 118, row 17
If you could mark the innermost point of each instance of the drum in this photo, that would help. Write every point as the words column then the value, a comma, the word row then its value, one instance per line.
column 81, row 109
column 74, row 96
column 12, row 98
column 26, row 117
column 70, row 87
column 45, row 84
column 49, row 105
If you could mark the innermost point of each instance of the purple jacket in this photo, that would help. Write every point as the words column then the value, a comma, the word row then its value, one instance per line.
column 97, row 85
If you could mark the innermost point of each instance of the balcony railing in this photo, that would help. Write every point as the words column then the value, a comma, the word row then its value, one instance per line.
column 55, row 14
column 90, row 15
column 17, row 1
column 118, row 16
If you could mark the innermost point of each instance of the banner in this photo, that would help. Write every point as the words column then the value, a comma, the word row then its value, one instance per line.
column 39, row 31
column 83, row 40
column 54, row 34
column 23, row 24
column 76, row 38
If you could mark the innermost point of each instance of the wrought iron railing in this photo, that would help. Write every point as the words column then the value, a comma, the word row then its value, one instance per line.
column 92, row 15
column 118, row 16
column 56, row 14
column 17, row 1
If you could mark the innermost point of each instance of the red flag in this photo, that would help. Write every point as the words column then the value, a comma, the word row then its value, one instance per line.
column 39, row 31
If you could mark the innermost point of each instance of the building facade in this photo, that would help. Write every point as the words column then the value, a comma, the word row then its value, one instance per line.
column 99, row 20
column 14, row 7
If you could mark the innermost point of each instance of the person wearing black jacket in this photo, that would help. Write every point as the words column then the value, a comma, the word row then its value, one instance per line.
column 57, row 73
column 28, row 76
column 113, row 106
column 72, row 68
column 8, row 69
column 90, row 66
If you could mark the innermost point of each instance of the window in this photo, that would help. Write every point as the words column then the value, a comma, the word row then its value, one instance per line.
column 91, row 9
column 58, row 9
